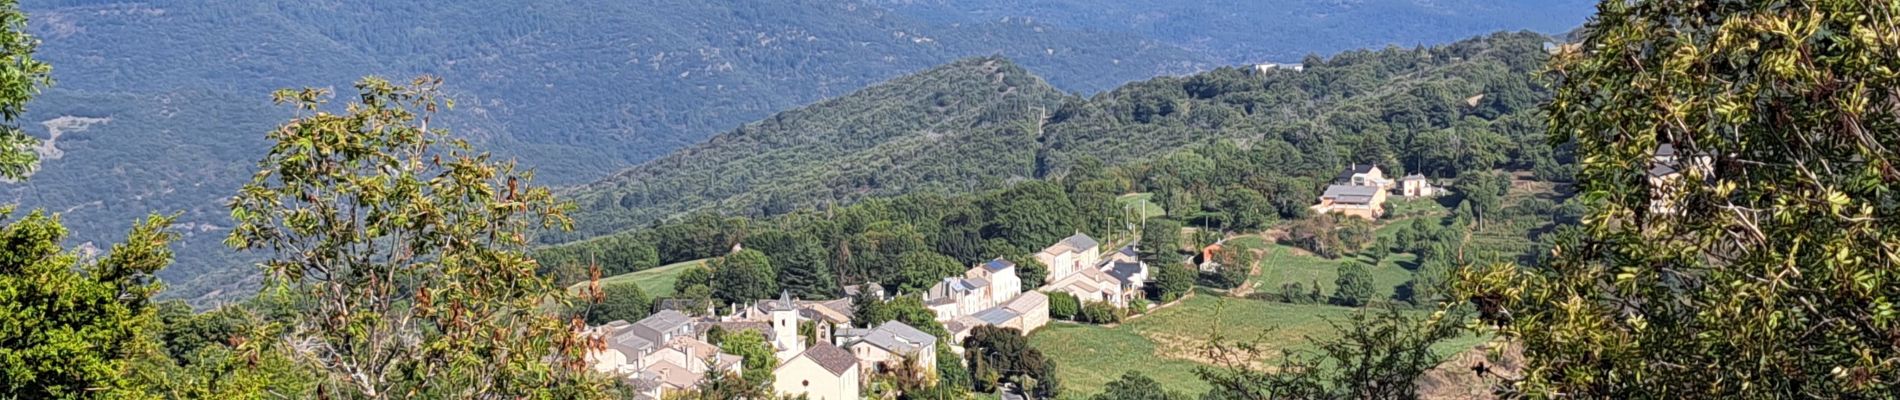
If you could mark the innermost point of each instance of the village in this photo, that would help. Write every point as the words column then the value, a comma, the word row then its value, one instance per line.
column 819, row 354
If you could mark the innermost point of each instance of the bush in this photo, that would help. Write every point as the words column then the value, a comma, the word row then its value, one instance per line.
column 1293, row 292
column 1354, row 286
column 1064, row 306
column 1097, row 312
column 624, row 301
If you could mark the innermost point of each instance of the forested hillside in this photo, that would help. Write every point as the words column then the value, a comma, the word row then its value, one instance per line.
column 1440, row 111
column 971, row 124
column 173, row 98
column 1278, row 31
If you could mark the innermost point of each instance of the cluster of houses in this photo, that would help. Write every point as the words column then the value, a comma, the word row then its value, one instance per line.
column 1360, row 191
column 668, row 351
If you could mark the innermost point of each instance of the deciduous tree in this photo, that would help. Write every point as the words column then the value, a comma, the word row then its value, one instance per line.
column 1766, row 269
column 1353, row 287
column 403, row 247
column 743, row 277
column 621, row 301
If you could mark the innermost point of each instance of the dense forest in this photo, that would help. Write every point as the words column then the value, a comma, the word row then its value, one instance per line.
column 1437, row 111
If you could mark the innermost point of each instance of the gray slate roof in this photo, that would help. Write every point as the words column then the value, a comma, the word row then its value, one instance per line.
column 996, row 316
column 1338, row 191
column 783, row 303
column 1124, row 271
column 900, row 338
column 1073, row 243
column 654, row 328
column 998, row 264
column 629, row 343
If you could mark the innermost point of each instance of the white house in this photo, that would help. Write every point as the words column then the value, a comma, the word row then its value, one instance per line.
column 1071, row 255
column 985, row 286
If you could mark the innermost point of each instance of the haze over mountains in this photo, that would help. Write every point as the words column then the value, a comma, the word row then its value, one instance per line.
column 1237, row 32
column 170, row 101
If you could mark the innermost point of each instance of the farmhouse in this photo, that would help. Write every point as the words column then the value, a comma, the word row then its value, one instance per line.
column 1363, row 175
column 1359, row 201
column 1416, row 186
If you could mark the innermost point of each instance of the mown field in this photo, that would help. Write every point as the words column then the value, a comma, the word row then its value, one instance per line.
column 657, row 282
column 1170, row 343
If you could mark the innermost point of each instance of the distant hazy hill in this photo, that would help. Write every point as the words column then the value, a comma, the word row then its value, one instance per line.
column 1273, row 30
column 173, row 96
column 976, row 124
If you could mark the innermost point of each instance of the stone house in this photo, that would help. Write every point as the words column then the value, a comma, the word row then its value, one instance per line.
column 821, row 372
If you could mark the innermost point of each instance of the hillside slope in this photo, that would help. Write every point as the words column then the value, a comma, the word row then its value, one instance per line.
column 1433, row 110
column 178, row 92
column 970, row 123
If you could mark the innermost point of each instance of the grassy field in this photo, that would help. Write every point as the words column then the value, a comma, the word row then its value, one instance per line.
column 1168, row 344
column 1141, row 200
column 656, row 282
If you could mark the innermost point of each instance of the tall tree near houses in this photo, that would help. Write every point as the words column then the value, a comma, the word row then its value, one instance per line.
column 1771, row 271
column 800, row 261
column 403, row 247
column 743, row 277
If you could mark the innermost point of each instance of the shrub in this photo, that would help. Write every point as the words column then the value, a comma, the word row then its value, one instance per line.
column 1064, row 306
column 1097, row 312
column 1354, row 286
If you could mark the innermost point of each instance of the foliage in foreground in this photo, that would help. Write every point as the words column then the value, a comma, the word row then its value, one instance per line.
column 402, row 249
column 1379, row 354
column 1767, row 269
